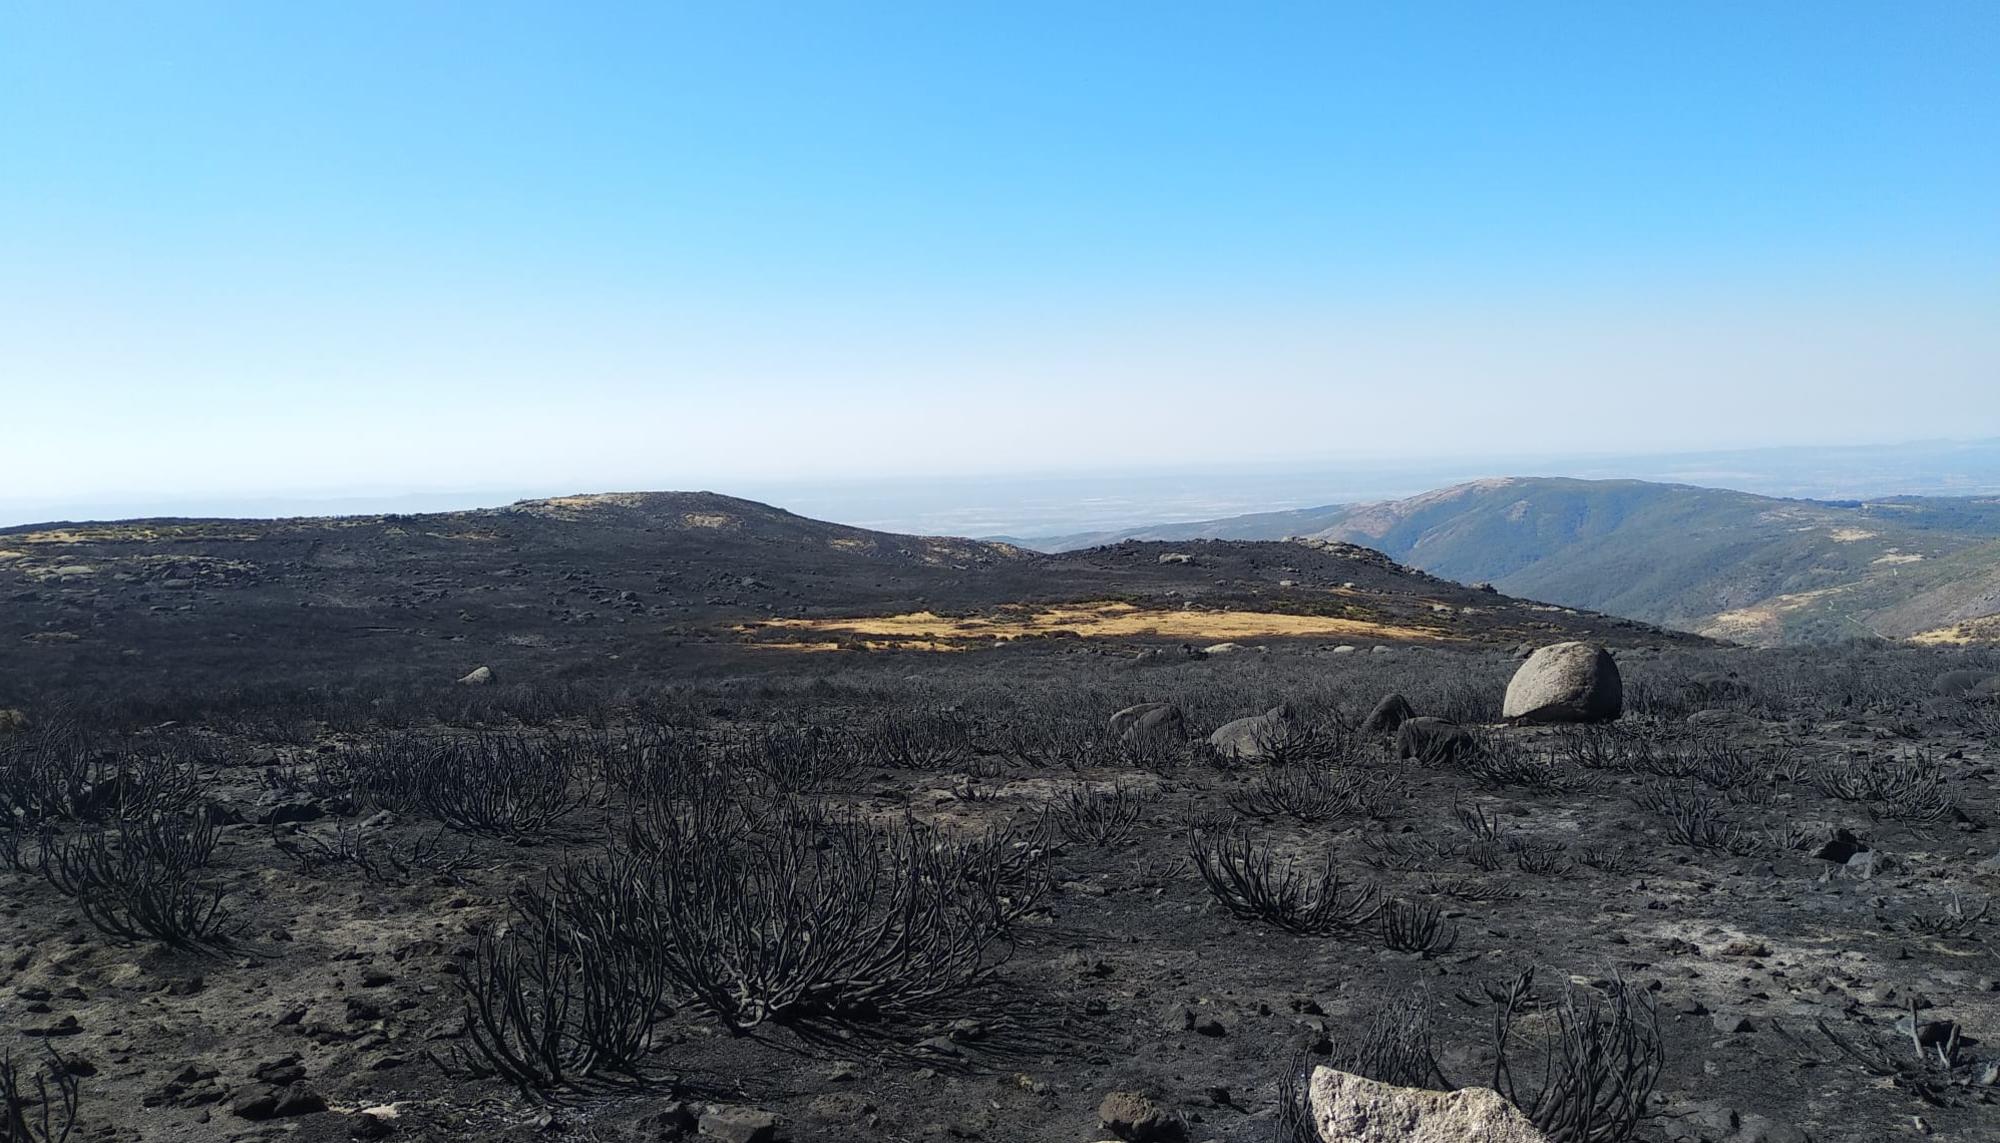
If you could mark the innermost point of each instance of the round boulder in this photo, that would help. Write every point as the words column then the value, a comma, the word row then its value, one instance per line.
column 1148, row 720
column 1250, row 738
column 1565, row 682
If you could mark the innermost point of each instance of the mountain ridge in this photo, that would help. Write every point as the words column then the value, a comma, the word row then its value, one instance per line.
column 1724, row 563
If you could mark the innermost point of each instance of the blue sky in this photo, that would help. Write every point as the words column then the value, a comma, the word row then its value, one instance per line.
column 256, row 248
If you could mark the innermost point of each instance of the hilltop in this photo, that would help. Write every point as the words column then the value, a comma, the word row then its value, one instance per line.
column 671, row 581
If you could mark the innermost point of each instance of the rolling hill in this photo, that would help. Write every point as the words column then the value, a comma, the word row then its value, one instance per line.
column 674, row 582
column 1728, row 564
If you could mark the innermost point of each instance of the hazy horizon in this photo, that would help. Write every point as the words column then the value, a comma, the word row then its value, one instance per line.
column 1042, row 505
column 258, row 252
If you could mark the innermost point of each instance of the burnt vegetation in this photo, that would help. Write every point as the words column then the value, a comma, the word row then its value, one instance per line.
column 949, row 890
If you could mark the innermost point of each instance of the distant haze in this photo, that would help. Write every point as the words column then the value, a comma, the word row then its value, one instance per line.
column 1058, row 504
column 390, row 252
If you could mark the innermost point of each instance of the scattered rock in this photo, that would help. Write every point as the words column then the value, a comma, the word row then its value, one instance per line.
column 1732, row 1023
column 1250, row 738
column 1433, row 740
column 265, row 1101
column 1566, row 682
column 739, row 1125
column 1148, row 721
column 1135, row 1118
column 1353, row 1109
column 1840, row 848
column 1222, row 648
column 1393, row 711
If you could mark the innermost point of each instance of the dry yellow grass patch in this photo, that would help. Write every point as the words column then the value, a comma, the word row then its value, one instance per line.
column 932, row 631
column 1985, row 629
column 1897, row 558
column 1850, row 535
column 706, row 520
column 1760, row 622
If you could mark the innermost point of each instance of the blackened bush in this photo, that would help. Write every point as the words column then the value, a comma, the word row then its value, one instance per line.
column 1593, row 1074
column 510, row 785
column 1252, row 883
column 1311, row 794
column 814, row 918
column 569, row 995
column 1098, row 817
column 141, row 878
column 37, row 1108
column 1414, row 926
column 929, row 741
column 801, row 759
column 57, row 772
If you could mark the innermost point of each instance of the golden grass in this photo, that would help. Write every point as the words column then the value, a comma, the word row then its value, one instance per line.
column 1985, row 629
column 1850, row 535
column 1761, row 622
column 928, row 630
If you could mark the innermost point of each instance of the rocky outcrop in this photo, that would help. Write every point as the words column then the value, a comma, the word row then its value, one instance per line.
column 1348, row 1108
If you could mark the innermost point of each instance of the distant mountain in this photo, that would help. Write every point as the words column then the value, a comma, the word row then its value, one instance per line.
column 1728, row 564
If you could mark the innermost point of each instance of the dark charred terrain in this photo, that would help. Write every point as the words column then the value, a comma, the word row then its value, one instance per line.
column 270, row 873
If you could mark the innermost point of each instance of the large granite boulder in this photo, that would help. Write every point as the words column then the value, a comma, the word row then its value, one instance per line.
column 1566, row 682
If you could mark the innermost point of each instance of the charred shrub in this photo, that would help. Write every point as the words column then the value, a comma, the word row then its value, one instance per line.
column 801, row 759
column 40, row 1106
column 571, row 994
column 1250, row 881
column 141, row 877
column 1416, row 927
column 1310, row 794
column 814, row 918
column 927, row 741
column 1098, row 817
column 507, row 785
column 1592, row 1074
column 58, row 773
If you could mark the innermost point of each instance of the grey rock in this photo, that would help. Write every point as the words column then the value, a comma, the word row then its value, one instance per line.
column 739, row 1125
column 1147, row 721
column 1393, row 711
column 1565, row 682
column 1433, row 740
column 1250, row 738
column 1137, row 1118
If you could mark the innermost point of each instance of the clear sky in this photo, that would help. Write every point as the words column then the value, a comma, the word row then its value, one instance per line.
column 257, row 248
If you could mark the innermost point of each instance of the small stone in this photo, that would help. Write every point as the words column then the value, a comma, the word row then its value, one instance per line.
column 1732, row 1023
column 1134, row 1117
column 739, row 1125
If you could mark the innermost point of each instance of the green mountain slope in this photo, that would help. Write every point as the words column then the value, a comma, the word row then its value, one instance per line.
column 1731, row 564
